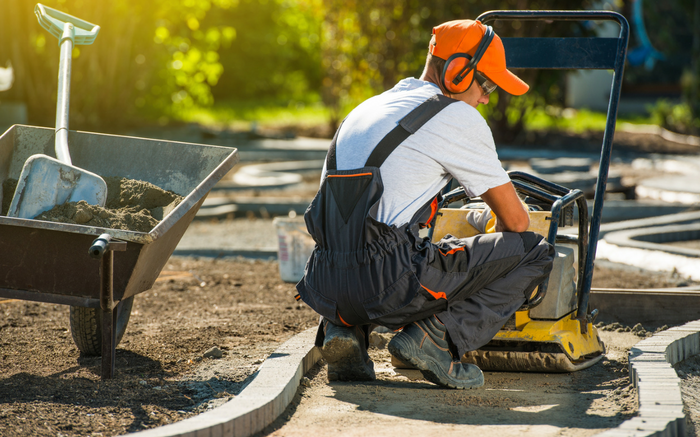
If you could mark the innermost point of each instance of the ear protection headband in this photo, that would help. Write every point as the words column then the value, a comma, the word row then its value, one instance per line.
column 458, row 73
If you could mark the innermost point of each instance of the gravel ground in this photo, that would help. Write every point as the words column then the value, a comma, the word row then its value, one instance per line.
column 401, row 402
column 243, row 310
column 236, row 234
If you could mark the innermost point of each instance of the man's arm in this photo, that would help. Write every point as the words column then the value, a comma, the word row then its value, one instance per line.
column 511, row 214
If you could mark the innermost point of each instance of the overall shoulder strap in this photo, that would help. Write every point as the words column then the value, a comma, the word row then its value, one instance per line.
column 330, row 158
column 406, row 127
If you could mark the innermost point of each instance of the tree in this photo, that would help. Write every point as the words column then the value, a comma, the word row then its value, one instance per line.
column 149, row 56
column 370, row 45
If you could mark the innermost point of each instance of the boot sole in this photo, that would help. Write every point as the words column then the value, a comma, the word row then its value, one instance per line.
column 405, row 349
column 345, row 362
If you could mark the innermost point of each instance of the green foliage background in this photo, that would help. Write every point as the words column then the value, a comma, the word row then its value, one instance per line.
column 158, row 59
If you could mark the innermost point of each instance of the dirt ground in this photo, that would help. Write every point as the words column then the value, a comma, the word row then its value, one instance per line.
column 400, row 402
column 242, row 308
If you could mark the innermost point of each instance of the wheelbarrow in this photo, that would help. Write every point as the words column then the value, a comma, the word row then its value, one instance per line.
column 51, row 262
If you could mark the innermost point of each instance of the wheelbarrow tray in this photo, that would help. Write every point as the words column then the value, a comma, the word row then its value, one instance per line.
column 49, row 262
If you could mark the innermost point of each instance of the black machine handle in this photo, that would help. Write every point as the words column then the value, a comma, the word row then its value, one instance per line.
column 616, row 62
column 553, row 15
column 559, row 198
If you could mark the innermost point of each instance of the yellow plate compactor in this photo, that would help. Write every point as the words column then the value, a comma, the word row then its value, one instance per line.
column 553, row 331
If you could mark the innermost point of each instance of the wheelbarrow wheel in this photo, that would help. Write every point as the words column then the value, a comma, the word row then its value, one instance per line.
column 86, row 326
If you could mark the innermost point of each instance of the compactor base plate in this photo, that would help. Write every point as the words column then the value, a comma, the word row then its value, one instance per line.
column 544, row 346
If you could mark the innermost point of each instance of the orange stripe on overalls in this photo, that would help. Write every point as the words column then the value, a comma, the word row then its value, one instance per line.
column 452, row 251
column 436, row 294
column 341, row 319
column 433, row 210
column 348, row 175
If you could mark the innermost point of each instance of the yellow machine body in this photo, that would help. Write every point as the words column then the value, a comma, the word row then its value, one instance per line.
column 526, row 344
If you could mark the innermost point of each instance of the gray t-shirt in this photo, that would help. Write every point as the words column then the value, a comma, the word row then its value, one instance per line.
column 456, row 142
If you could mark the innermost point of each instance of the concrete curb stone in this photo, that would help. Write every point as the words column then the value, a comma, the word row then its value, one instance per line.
column 658, row 386
column 260, row 403
column 263, row 400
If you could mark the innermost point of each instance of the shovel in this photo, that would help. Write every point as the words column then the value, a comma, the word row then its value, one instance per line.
column 46, row 182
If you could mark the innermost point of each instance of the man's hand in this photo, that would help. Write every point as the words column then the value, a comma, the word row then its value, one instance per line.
column 511, row 214
column 480, row 219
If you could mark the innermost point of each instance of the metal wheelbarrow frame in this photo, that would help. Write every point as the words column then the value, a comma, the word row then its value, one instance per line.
column 49, row 262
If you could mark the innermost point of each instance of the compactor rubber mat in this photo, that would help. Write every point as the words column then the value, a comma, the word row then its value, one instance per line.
column 516, row 361
column 512, row 361
column 523, row 357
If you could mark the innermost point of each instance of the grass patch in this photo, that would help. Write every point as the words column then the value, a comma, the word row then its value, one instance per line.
column 245, row 115
column 572, row 120
column 263, row 113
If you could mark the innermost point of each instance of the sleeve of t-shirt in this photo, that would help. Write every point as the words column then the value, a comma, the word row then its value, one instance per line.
column 464, row 146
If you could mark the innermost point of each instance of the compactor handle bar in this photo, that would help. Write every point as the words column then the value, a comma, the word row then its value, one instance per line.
column 55, row 21
column 576, row 53
column 554, row 15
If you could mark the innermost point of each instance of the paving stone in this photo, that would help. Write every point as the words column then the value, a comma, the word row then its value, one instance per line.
column 227, row 428
column 658, row 384
column 695, row 325
column 657, row 369
column 216, row 431
column 656, row 348
column 658, row 411
column 207, row 432
column 617, row 432
column 660, row 398
column 651, row 426
column 621, row 433
column 241, row 425
column 647, row 356
column 655, row 366
column 276, row 379
column 651, row 379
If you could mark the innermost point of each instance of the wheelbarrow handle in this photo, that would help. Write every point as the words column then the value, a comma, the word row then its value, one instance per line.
column 104, row 243
column 84, row 33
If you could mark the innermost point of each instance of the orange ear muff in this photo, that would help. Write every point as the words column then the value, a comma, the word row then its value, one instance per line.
column 457, row 75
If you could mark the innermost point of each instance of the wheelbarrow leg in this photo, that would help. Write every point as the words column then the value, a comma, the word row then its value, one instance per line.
column 109, row 314
column 102, row 248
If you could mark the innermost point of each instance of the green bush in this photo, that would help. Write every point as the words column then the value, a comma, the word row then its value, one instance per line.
column 677, row 118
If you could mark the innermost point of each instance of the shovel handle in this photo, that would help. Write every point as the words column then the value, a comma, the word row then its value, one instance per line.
column 54, row 22
column 70, row 31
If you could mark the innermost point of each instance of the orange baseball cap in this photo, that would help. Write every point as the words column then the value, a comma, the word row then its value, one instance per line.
column 464, row 36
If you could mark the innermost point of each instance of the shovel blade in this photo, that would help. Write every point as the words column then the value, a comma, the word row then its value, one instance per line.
column 46, row 182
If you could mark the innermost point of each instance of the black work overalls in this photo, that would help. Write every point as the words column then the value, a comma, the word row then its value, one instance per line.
column 363, row 271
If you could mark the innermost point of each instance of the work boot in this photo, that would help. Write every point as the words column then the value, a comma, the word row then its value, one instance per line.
column 344, row 349
column 424, row 344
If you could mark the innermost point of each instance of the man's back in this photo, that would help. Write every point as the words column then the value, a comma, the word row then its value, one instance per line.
column 456, row 142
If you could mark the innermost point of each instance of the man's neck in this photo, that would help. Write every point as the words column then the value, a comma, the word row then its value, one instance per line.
column 430, row 75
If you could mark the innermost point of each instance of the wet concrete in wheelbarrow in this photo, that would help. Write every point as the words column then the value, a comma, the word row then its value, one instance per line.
column 131, row 205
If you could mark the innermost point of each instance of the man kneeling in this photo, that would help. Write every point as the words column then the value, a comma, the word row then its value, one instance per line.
column 386, row 165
